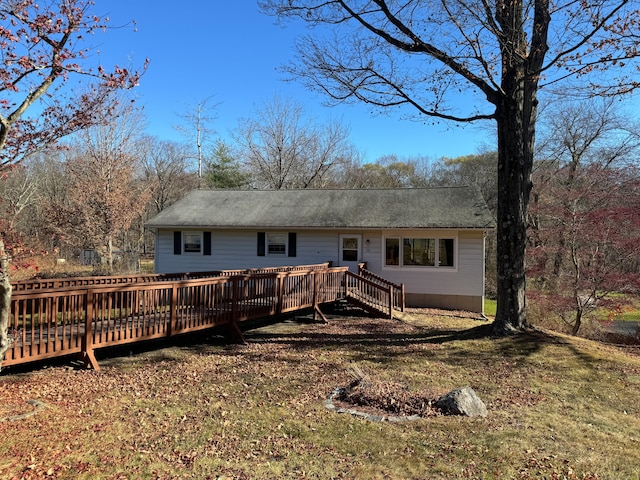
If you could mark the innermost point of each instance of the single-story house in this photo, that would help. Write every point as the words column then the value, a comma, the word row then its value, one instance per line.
column 429, row 239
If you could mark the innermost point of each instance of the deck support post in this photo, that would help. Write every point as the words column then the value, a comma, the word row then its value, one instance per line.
column 235, row 298
column 316, row 312
column 235, row 333
column 89, row 360
column 87, row 354
column 316, row 304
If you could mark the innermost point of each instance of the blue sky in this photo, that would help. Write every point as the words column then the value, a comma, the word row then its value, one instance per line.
column 229, row 51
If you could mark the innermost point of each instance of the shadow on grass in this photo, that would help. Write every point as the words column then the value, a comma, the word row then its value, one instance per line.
column 375, row 340
column 170, row 349
column 149, row 351
column 363, row 337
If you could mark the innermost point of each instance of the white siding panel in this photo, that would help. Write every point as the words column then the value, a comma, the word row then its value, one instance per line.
column 233, row 249
column 318, row 247
column 372, row 252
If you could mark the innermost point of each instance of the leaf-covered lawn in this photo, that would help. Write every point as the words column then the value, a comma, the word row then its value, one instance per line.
column 558, row 408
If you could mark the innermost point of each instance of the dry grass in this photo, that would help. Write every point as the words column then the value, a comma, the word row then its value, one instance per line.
column 559, row 407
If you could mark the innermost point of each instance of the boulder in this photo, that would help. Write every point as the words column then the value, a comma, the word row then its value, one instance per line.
column 462, row 401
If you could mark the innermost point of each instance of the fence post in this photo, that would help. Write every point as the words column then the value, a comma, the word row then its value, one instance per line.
column 280, row 300
column 344, row 282
column 87, row 339
column 391, row 301
column 315, row 288
column 234, row 299
column 173, row 310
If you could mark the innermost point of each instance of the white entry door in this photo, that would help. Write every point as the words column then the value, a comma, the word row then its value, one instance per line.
column 350, row 251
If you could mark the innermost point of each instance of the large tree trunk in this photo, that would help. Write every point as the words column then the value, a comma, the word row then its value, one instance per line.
column 5, row 302
column 516, row 135
column 514, row 185
column 516, row 109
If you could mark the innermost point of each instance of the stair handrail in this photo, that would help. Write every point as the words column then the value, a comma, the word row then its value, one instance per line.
column 398, row 289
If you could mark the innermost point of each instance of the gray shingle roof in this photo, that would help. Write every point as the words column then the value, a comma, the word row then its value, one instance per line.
column 440, row 207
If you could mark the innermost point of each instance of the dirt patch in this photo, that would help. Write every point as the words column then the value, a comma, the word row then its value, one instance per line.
column 381, row 400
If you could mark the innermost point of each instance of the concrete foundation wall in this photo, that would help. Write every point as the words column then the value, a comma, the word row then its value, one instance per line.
column 450, row 302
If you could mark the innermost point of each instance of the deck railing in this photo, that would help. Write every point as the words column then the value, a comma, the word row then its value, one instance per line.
column 369, row 294
column 50, row 322
column 397, row 290
column 75, row 316
column 55, row 283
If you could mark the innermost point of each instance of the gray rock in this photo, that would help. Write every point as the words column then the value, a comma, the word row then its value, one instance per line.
column 462, row 401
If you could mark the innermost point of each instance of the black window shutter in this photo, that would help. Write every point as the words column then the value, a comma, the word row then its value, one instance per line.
column 292, row 244
column 177, row 243
column 206, row 249
column 261, row 242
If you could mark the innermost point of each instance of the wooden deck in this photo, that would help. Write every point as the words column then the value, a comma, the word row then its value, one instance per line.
column 76, row 316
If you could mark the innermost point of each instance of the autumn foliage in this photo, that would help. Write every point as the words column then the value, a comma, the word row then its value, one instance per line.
column 42, row 48
column 585, row 249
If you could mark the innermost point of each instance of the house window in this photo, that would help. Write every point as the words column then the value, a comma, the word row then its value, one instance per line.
column 192, row 242
column 276, row 243
column 392, row 251
column 419, row 252
column 445, row 252
column 350, row 249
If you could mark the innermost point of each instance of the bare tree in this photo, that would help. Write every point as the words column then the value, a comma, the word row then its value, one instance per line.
column 38, row 181
column 574, row 136
column 104, row 196
column 388, row 171
column 42, row 48
column 18, row 192
column 198, row 128
column 423, row 55
column 479, row 169
column 165, row 167
column 282, row 148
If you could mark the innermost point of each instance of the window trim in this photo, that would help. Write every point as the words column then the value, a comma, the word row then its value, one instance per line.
column 437, row 237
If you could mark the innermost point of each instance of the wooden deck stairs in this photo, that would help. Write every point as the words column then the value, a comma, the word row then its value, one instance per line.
column 374, row 294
